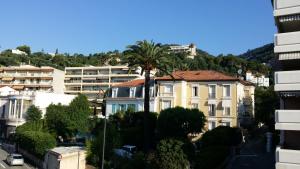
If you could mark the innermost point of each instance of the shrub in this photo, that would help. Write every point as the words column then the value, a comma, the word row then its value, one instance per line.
column 211, row 157
column 169, row 155
column 222, row 136
column 36, row 142
column 178, row 122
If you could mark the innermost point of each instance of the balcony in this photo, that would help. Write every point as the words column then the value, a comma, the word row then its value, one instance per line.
column 287, row 43
column 287, row 119
column 287, row 81
column 286, row 158
column 286, row 7
column 166, row 94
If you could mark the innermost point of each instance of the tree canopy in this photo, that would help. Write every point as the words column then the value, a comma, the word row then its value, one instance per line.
column 178, row 122
column 33, row 114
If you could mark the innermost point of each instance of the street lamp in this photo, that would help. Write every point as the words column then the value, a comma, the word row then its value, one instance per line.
column 102, row 93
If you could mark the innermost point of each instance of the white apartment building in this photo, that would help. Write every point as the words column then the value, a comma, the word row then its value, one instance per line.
column 287, row 82
column 18, row 52
column 14, row 104
column 31, row 78
column 259, row 80
column 191, row 49
column 91, row 80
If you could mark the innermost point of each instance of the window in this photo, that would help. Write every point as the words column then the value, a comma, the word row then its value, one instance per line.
column 168, row 89
column 166, row 104
column 3, row 111
column 131, row 107
column 195, row 91
column 226, row 91
column 132, row 92
column 211, row 125
column 114, row 108
column 226, row 111
column 122, row 107
column 225, row 124
column 114, row 92
column 212, row 110
column 195, row 105
column 212, row 91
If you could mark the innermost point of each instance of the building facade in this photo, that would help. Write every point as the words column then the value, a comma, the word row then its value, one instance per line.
column 129, row 96
column 14, row 104
column 90, row 80
column 31, row 78
column 259, row 80
column 223, row 99
column 287, row 82
column 191, row 49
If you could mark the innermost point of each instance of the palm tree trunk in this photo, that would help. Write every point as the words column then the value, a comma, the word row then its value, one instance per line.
column 146, row 111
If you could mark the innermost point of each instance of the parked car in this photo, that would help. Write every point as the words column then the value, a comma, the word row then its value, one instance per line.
column 125, row 151
column 15, row 159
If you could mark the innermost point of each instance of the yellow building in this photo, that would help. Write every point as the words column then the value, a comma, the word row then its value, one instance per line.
column 225, row 100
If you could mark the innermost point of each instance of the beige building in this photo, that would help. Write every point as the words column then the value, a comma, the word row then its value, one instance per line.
column 31, row 78
column 222, row 98
column 90, row 80
column 225, row 100
column 287, row 82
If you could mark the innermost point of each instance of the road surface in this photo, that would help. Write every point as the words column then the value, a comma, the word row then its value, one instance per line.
column 4, row 165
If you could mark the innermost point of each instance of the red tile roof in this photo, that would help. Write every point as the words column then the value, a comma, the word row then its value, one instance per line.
column 132, row 83
column 201, row 75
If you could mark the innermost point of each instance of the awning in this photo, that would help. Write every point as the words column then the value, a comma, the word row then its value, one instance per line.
column 18, row 87
column 289, row 56
column 226, row 103
column 7, row 78
column 289, row 18
column 212, row 101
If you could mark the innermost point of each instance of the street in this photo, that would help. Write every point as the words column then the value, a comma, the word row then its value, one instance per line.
column 4, row 165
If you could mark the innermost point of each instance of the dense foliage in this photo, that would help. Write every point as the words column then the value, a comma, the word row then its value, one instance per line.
column 67, row 121
column 251, row 60
column 33, row 114
column 131, row 127
column 266, row 101
column 113, row 140
column 57, row 120
column 169, row 155
column 211, row 157
column 36, row 142
column 222, row 136
column 178, row 122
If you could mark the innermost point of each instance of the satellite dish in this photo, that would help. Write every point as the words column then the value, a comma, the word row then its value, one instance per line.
column 240, row 71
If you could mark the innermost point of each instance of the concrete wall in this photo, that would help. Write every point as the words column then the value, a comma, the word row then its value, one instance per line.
column 58, row 81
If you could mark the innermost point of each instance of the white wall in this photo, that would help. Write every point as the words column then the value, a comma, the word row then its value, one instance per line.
column 58, row 81
column 42, row 100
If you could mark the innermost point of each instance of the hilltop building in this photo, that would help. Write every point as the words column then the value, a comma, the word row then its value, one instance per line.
column 225, row 100
column 287, row 82
column 31, row 78
column 258, row 80
column 191, row 49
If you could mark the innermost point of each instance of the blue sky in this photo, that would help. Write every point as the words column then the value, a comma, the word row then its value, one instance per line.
column 89, row 26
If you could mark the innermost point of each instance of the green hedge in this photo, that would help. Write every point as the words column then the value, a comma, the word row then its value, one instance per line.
column 36, row 142
column 211, row 157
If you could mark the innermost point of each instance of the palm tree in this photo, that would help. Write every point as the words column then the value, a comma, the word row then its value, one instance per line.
column 148, row 56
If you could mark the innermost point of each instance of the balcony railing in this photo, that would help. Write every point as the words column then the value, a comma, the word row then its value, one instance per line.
column 287, row 81
column 286, row 158
column 287, row 42
column 286, row 7
column 287, row 119
column 166, row 94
